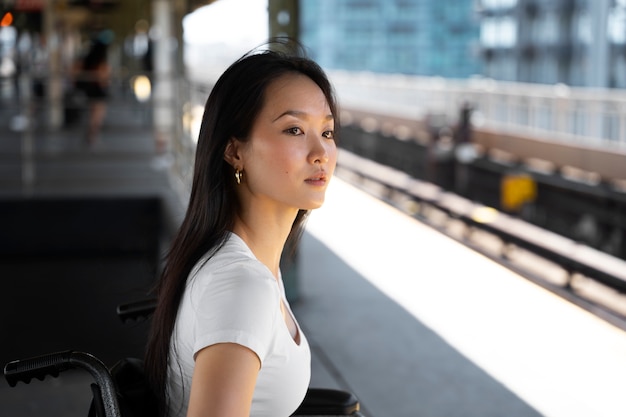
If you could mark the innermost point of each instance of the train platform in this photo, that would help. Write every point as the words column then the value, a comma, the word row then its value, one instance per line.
column 411, row 321
column 417, row 324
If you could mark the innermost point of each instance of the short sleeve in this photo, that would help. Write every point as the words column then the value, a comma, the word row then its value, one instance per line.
column 236, row 303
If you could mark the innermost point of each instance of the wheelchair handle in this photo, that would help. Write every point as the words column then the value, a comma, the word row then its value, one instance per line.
column 137, row 311
column 39, row 367
column 52, row 364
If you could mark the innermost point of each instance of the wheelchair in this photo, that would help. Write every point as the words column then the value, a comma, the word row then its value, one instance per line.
column 122, row 391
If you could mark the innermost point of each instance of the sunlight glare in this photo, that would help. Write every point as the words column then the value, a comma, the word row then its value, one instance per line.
column 218, row 34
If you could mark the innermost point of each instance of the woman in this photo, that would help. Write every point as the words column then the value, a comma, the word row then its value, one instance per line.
column 224, row 341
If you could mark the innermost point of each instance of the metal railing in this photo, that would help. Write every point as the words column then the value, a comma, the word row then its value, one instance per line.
column 594, row 117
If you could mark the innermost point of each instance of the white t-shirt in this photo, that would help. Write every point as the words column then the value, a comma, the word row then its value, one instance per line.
column 234, row 298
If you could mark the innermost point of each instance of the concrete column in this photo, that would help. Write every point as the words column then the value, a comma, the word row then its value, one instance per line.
column 164, row 73
column 284, row 21
column 54, row 84
column 284, row 18
column 598, row 62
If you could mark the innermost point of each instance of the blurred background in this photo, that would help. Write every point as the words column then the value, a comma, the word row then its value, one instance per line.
column 499, row 124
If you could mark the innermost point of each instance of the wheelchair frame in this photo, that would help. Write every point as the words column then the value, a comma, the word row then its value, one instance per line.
column 317, row 402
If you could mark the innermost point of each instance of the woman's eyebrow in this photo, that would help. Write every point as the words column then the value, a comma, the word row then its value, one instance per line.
column 300, row 115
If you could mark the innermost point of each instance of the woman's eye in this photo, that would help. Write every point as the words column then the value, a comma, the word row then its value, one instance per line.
column 294, row 131
column 329, row 134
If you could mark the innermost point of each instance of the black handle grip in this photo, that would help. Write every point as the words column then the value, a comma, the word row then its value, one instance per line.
column 54, row 363
column 37, row 367
column 138, row 310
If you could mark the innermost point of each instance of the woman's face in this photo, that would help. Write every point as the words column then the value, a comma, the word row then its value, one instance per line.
column 291, row 153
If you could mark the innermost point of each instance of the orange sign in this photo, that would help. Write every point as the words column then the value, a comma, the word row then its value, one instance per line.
column 517, row 190
column 7, row 19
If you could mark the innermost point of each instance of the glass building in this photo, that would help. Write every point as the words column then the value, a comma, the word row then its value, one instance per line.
column 575, row 42
column 421, row 37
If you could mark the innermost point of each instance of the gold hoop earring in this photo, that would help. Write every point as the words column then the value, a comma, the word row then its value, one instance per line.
column 238, row 175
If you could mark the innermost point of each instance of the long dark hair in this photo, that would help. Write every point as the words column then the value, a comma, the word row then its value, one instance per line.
column 230, row 111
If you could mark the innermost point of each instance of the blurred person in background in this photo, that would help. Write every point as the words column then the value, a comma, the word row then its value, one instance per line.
column 93, row 79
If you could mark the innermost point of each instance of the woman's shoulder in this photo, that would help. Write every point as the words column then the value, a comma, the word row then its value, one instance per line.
column 233, row 253
column 232, row 276
column 232, row 260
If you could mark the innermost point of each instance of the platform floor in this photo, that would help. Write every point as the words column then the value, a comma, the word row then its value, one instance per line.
column 416, row 324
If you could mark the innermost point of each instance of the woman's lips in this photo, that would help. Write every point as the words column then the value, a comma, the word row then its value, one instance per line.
column 318, row 179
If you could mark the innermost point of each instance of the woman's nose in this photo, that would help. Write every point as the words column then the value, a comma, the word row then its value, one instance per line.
column 319, row 150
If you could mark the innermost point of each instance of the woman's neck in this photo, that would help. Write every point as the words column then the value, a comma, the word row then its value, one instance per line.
column 265, row 235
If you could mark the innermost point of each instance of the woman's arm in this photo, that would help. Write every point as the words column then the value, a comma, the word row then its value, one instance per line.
column 223, row 381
